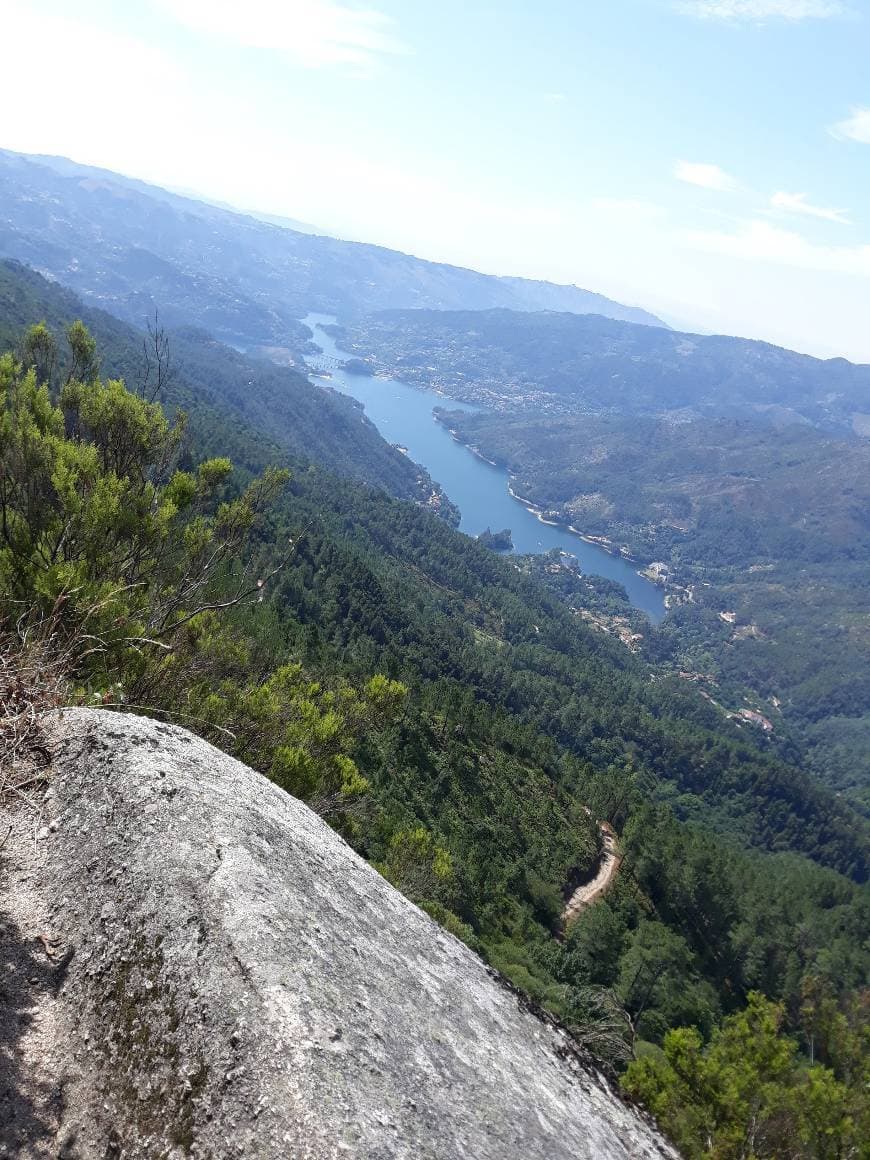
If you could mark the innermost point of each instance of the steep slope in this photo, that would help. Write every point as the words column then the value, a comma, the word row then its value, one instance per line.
column 249, row 409
column 214, row 973
column 515, row 716
column 389, row 587
column 127, row 246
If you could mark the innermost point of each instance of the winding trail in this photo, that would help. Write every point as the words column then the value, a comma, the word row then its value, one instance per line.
column 590, row 892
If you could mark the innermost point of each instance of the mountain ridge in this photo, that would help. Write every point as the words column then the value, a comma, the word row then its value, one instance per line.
column 129, row 246
column 565, row 364
column 277, row 411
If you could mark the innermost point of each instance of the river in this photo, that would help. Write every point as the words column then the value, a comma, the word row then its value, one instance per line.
column 403, row 415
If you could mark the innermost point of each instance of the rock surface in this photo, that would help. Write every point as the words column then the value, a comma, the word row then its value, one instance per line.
column 215, row 973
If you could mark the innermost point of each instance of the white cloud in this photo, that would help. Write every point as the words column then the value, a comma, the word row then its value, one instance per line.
column 856, row 127
column 760, row 241
column 313, row 32
column 797, row 203
column 761, row 10
column 707, row 176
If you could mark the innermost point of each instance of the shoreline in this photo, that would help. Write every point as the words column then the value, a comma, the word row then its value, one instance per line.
column 602, row 544
column 478, row 454
column 595, row 541
column 536, row 511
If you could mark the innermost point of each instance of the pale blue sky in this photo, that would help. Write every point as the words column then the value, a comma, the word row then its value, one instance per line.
column 708, row 159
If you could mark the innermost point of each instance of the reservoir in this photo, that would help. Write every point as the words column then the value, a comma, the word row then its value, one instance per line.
column 403, row 415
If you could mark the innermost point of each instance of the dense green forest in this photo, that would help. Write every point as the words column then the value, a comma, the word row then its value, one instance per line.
column 731, row 462
column 769, row 527
column 445, row 711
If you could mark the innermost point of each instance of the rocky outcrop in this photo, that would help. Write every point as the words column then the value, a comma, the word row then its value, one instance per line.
column 216, row 973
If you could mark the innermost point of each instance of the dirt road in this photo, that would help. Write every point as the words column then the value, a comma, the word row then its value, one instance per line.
column 611, row 860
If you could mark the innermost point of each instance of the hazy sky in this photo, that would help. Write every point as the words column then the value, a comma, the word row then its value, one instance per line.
column 708, row 159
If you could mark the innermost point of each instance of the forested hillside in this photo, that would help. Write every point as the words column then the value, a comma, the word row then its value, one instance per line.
column 249, row 409
column 450, row 716
column 567, row 364
column 486, row 657
column 732, row 466
column 766, row 538
column 793, row 492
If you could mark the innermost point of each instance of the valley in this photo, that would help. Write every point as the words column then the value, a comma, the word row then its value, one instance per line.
column 729, row 469
column 290, row 568
column 551, row 363
column 404, row 416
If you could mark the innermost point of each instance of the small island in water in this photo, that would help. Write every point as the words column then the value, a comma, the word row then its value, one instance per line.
column 498, row 541
column 359, row 366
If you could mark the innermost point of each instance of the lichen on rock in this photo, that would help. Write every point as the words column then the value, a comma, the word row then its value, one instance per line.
column 241, row 983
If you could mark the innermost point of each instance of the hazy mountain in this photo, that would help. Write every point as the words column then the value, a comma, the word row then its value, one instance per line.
column 275, row 219
column 177, row 196
column 561, row 363
column 130, row 246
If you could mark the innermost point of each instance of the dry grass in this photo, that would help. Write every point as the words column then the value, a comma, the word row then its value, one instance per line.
column 40, row 654
column 34, row 665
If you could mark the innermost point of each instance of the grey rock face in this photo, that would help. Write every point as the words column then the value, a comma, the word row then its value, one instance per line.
column 242, row 984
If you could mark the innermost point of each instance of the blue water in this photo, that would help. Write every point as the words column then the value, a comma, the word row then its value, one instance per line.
column 403, row 415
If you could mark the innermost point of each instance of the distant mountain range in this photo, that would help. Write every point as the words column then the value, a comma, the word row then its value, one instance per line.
column 131, row 247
